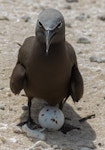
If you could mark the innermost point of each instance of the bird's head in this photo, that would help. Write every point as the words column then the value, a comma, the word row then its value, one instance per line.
column 50, row 28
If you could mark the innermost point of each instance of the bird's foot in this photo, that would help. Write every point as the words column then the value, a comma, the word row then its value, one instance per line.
column 67, row 127
column 30, row 123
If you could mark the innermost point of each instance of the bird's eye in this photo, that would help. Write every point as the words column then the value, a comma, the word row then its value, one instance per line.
column 59, row 25
column 40, row 24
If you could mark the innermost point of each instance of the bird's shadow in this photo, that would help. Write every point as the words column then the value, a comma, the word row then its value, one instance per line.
column 74, row 138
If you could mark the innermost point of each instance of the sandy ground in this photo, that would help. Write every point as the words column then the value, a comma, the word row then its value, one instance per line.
column 17, row 21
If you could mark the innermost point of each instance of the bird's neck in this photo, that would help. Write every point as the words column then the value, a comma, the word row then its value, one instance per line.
column 57, row 44
column 54, row 49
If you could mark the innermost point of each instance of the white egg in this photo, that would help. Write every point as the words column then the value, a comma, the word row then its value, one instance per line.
column 51, row 118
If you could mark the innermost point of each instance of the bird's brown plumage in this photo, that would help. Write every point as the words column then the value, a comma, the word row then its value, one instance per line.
column 51, row 78
column 47, row 65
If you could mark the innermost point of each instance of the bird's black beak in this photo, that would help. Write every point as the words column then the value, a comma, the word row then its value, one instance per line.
column 48, row 36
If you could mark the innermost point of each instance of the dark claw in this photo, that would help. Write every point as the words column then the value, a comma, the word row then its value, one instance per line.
column 30, row 123
column 22, row 123
column 67, row 127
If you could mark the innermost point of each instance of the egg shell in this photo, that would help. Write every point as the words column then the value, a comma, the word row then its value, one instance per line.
column 51, row 118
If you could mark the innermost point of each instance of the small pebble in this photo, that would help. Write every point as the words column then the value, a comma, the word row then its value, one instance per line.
column 9, row 94
column 25, row 107
column 26, row 18
column 2, row 107
column 10, row 109
column 71, row 1
column 100, row 144
column 82, row 17
column 68, row 7
column 4, row 18
column 102, row 18
column 79, row 108
column 97, row 59
column 83, row 40
column 67, row 24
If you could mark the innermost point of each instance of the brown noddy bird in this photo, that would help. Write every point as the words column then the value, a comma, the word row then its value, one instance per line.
column 47, row 65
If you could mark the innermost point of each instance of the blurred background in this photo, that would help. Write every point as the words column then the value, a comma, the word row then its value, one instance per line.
column 85, row 30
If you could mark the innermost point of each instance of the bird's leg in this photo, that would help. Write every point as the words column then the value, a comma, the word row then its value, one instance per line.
column 66, row 127
column 29, row 110
column 30, row 120
column 30, row 123
column 62, row 103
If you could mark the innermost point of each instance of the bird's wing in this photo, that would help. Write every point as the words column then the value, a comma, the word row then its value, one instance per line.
column 17, row 79
column 18, row 76
column 76, row 86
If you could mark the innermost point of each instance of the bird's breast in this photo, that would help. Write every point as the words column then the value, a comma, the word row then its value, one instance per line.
column 48, row 79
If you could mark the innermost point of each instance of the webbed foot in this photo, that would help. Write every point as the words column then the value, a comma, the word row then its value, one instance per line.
column 30, row 123
column 67, row 127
